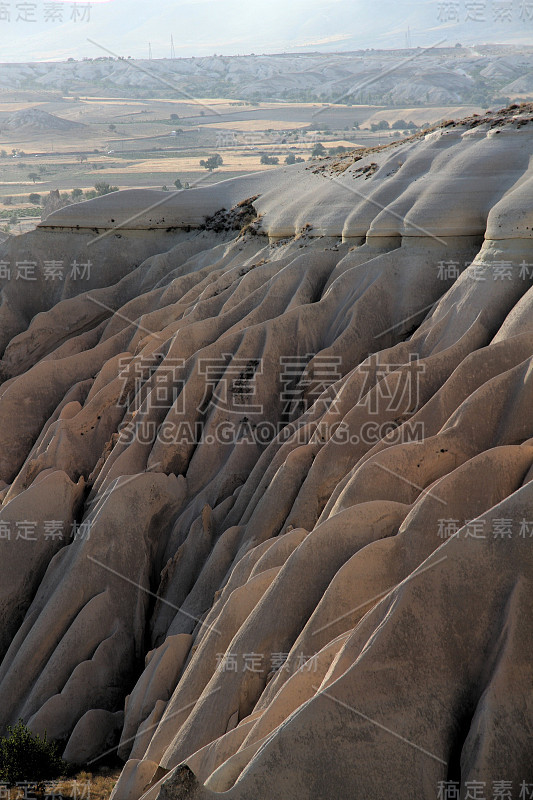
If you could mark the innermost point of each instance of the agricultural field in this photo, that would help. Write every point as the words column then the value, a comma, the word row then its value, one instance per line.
column 84, row 146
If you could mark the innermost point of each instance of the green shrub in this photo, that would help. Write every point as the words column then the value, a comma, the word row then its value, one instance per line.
column 25, row 756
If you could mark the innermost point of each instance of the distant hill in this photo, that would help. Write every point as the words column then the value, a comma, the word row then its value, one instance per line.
column 442, row 75
column 34, row 120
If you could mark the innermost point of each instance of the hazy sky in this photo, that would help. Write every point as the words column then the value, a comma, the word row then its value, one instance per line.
column 33, row 31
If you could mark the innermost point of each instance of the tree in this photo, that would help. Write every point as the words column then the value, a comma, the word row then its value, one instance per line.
column 266, row 159
column 382, row 125
column 292, row 159
column 178, row 184
column 333, row 151
column 212, row 162
column 33, row 176
column 104, row 188
column 35, row 199
column 318, row 150
column 174, row 116
column 401, row 124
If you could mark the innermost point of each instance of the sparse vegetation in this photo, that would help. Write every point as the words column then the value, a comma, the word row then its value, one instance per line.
column 100, row 783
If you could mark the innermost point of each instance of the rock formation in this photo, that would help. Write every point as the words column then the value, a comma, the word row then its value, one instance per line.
column 266, row 470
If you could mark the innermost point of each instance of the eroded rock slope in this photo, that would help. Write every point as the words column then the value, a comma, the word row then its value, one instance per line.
column 266, row 452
